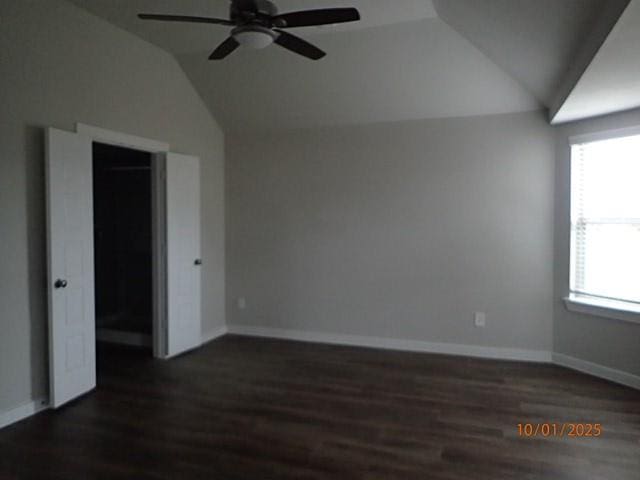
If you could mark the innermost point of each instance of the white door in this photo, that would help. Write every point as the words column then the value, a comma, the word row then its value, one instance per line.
column 183, row 253
column 72, row 359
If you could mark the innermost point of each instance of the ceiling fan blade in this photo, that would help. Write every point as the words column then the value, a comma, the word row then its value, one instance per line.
column 184, row 18
column 298, row 45
column 309, row 18
column 224, row 49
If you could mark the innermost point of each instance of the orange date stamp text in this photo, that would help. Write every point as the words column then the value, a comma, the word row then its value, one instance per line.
column 560, row 430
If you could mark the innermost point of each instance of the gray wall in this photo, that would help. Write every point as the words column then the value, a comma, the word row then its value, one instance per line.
column 608, row 342
column 398, row 230
column 60, row 65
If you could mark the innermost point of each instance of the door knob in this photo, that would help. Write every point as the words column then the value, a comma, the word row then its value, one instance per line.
column 197, row 262
column 60, row 283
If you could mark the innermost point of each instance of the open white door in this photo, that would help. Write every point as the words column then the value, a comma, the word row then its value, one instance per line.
column 72, row 359
column 183, row 253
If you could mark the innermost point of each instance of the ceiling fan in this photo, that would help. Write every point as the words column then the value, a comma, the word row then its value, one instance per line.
column 257, row 24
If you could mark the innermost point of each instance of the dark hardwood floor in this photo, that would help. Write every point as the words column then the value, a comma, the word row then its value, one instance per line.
column 246, row 408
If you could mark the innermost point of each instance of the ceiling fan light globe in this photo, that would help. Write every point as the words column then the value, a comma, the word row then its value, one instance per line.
column 253, row 39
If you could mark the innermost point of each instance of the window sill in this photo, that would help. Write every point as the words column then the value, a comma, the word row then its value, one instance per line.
column 600, row 307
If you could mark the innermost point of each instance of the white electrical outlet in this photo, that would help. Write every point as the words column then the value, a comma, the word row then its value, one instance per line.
column 242, row 303
column 480, row 319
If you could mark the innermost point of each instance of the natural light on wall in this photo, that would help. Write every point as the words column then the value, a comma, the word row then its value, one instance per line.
column 605, row 219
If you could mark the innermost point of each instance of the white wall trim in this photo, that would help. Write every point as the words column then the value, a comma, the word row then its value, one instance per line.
column 213, row 334
column 600, row 371
column 121, row 139
column 120, row 337
column 498, row 353
column 23, row 411
column 605, row 308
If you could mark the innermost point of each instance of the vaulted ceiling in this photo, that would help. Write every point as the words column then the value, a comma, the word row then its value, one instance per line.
column 422, row 69
column 406, row 59
column 611, row 81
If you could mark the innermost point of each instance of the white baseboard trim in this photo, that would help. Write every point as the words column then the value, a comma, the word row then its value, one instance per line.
column 498, row 353
column 123, row 338
column 21, row 412
column 590, row 368
column 213, row 334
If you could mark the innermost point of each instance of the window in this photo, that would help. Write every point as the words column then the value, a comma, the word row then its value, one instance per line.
column 605, row 219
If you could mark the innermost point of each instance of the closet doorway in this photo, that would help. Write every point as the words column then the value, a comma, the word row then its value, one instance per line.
column 123, row 245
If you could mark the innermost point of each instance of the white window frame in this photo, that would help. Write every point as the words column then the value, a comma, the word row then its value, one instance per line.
column 592, row 305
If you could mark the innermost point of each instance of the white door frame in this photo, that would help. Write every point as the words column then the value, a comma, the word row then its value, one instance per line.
column 158, row 150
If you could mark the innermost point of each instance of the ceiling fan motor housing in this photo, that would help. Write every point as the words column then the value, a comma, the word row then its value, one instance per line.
column 245, row 11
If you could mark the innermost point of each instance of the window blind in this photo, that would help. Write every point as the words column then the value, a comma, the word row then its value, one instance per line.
column 605, row 219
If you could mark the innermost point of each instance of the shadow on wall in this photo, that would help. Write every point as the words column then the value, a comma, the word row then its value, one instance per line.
column 34, row 138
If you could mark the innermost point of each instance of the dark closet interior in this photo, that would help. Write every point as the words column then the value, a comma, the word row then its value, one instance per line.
column 122, row 239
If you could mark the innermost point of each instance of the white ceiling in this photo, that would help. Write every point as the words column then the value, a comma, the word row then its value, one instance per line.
column 420, row 70
column 401, row 62
column 611, row 83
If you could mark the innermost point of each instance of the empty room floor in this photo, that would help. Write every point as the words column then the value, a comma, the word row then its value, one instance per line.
column 248, row 408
